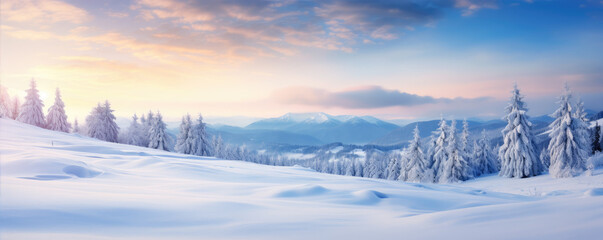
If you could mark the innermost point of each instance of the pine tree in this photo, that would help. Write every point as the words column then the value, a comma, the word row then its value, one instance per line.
column 199, row 141
column 157, row 135
column 218, row 146
column 544, row 158
column 581, row 124
column 596, row 144
column 135, row 135
column 439, row 148
column 455, row 167
column 518, row 153
column 394, row 166
column 101, row 123
column 415, row 167
column 76, row 127
column 57, row 119
column 183, row 143
column 94, row 123
column 109, row 124
column 484, row 160
column 16, row 109
column 5, row 103
column 31, row 111
column 566, row 150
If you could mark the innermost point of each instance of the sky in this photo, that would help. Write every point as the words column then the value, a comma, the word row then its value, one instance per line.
column 389, row 59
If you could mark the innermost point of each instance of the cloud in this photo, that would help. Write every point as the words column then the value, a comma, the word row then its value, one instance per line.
column 367, row 97
column 41, row 11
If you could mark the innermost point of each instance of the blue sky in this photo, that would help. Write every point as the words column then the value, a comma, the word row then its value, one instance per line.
column 390, row 59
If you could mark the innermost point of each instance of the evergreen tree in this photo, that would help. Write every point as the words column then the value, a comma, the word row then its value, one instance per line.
column 57, row 119
column 16, row 109
column 5, row 103
column 76, row 127
column 183, row 143
column 581, row 124
column 157, row 135
column 372, row 168
column 31, row 111
column 199, row 142
column 94, row 123
column 135, row 135
column 544, row 158
column 484, row 160
column 109, row 124
column 415, row 167
column 566, row 150
column 393, row 167
column 101, row 123
column 439, row 148
column 455, row 167
column 596, row 144
column 518, row 153
column 218, row 146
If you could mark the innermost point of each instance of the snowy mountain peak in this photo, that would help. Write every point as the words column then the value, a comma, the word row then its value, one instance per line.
column 318, row 117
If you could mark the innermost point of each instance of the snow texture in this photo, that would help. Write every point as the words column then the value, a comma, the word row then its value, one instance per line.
column 57, row 185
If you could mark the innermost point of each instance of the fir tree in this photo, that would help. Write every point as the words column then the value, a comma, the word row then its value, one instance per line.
column 439, row 148
column 101, row 123
column 57, row 119
column 199, row 141
column 415, row 167
column 5, row 103
column 31, row 110
column 394, row 166
column 484, row 160
column 184, row 143
column 135, row 135
column 518, row 153
column 455, row 167
column 76, row 127
column 596, row 144
column 218, row 146
column 157, row 135
column 566, row 150
column 16, row 109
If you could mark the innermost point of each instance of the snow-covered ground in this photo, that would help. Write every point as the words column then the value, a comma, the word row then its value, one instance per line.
column 64, row 186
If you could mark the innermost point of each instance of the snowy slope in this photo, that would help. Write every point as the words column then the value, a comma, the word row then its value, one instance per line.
column 63, row 186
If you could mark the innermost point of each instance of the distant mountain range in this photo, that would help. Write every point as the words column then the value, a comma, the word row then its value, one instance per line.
column 327, row 128
column 317, row 129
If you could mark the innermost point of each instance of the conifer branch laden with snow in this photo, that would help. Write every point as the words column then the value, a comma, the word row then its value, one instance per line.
column 31, row 110
column 157, row 134
column 57, row 119
column 518, row 153
column 415, row 167
column 567, row 148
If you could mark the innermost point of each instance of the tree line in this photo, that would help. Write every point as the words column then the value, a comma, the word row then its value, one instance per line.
column 447, row 157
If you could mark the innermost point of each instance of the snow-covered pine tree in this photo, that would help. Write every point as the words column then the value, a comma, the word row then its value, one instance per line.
column 110, row 126
column 146, row 127
column 218, row 146
column 157, row 135
column 484, row 160
column 94, row 123
column 596, row 137
column 5, row 103
column 183, row 143
column 415, row 167
column 566, row 150
column 16, row 109
column 57, row 119
column 372, row 168
column 393, row 166
column 439, row 148
column 544, row 158
column 581, row 124
column 31, row 110
column 200, row 142
column 455, row 167
column 76, row 127
column 518, row 155
column 135, row 135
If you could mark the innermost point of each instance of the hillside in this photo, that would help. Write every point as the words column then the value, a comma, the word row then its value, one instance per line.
column 64, row 186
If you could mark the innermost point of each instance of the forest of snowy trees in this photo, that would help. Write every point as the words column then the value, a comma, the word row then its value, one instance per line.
column 448, row 155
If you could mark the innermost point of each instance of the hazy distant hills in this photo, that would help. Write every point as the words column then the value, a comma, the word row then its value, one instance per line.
column 327, row 128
